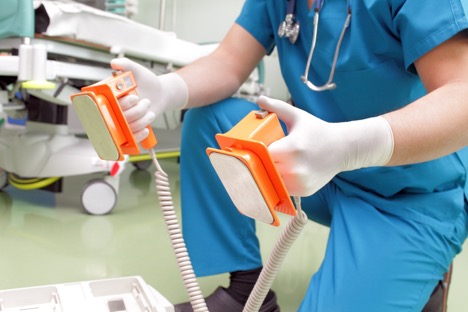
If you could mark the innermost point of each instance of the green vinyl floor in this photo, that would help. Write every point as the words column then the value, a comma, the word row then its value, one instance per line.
column 47, row 238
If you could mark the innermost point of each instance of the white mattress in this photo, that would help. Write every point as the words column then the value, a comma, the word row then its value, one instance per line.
column 119, row 34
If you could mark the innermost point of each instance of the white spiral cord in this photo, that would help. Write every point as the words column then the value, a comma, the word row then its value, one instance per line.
column 177, row 240
column 269, row 271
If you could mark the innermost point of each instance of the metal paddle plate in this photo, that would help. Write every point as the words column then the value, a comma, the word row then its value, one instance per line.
column 96, row 127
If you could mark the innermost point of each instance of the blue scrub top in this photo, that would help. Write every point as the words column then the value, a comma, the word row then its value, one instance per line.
column 374, row 75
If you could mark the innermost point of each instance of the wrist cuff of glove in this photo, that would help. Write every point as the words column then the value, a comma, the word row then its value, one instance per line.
column 372, row 139
column 175, row 91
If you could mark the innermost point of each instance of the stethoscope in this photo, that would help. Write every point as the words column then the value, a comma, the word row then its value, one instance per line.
column 289, row 28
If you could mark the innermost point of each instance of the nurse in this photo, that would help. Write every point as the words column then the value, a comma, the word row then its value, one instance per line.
column 375, row 145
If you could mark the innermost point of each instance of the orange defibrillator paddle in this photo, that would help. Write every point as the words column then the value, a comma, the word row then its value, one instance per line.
column 247, row 170
column 100, row 114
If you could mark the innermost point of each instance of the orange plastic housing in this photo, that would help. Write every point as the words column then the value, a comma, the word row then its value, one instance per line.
column 105, row 95
column 247, row 141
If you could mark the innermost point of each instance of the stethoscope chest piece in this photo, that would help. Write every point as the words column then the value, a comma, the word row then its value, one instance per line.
column 289, row 28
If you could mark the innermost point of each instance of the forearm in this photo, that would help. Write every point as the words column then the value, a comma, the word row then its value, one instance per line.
column 431, row 127
column 208, row 80
column 220, row 74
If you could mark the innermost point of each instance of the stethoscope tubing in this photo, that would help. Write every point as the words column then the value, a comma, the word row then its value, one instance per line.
column 292, row 33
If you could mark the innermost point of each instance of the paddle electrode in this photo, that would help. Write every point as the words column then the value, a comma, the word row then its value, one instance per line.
column 247, row 170
column 99, row 111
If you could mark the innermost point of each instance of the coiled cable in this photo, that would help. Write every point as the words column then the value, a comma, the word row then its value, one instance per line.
column 269, row 271
column 177, row 240
column 284, row 242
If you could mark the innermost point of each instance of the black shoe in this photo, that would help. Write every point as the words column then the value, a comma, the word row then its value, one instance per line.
column 221, row 301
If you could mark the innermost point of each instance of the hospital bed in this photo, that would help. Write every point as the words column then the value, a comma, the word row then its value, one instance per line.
column 48, row 51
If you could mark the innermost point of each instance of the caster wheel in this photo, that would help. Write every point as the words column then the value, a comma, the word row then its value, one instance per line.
column 3, row 179
column 98, row 197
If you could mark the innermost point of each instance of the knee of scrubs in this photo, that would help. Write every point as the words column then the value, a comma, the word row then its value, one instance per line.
column 377, row 261
column 219, row 239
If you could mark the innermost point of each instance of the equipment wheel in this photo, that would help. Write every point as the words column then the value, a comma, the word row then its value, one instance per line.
column 3, row 179
column 98, row 197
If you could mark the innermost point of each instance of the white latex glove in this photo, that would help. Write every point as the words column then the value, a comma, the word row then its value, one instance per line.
column 314, row 151
column 137, row 114
column 156, row 94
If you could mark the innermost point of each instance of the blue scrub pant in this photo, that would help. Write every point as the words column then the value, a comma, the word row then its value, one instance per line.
column 374, row 261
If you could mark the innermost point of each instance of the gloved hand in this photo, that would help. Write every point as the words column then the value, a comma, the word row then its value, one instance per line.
column 157, row 93
column 137, row 114
column 314, row 151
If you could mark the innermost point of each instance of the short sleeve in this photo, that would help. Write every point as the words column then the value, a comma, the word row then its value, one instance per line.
column 255, row 18
column 423, row 25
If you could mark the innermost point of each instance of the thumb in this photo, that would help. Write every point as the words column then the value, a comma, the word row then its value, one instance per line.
column 124, row 64
column 285, row 112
